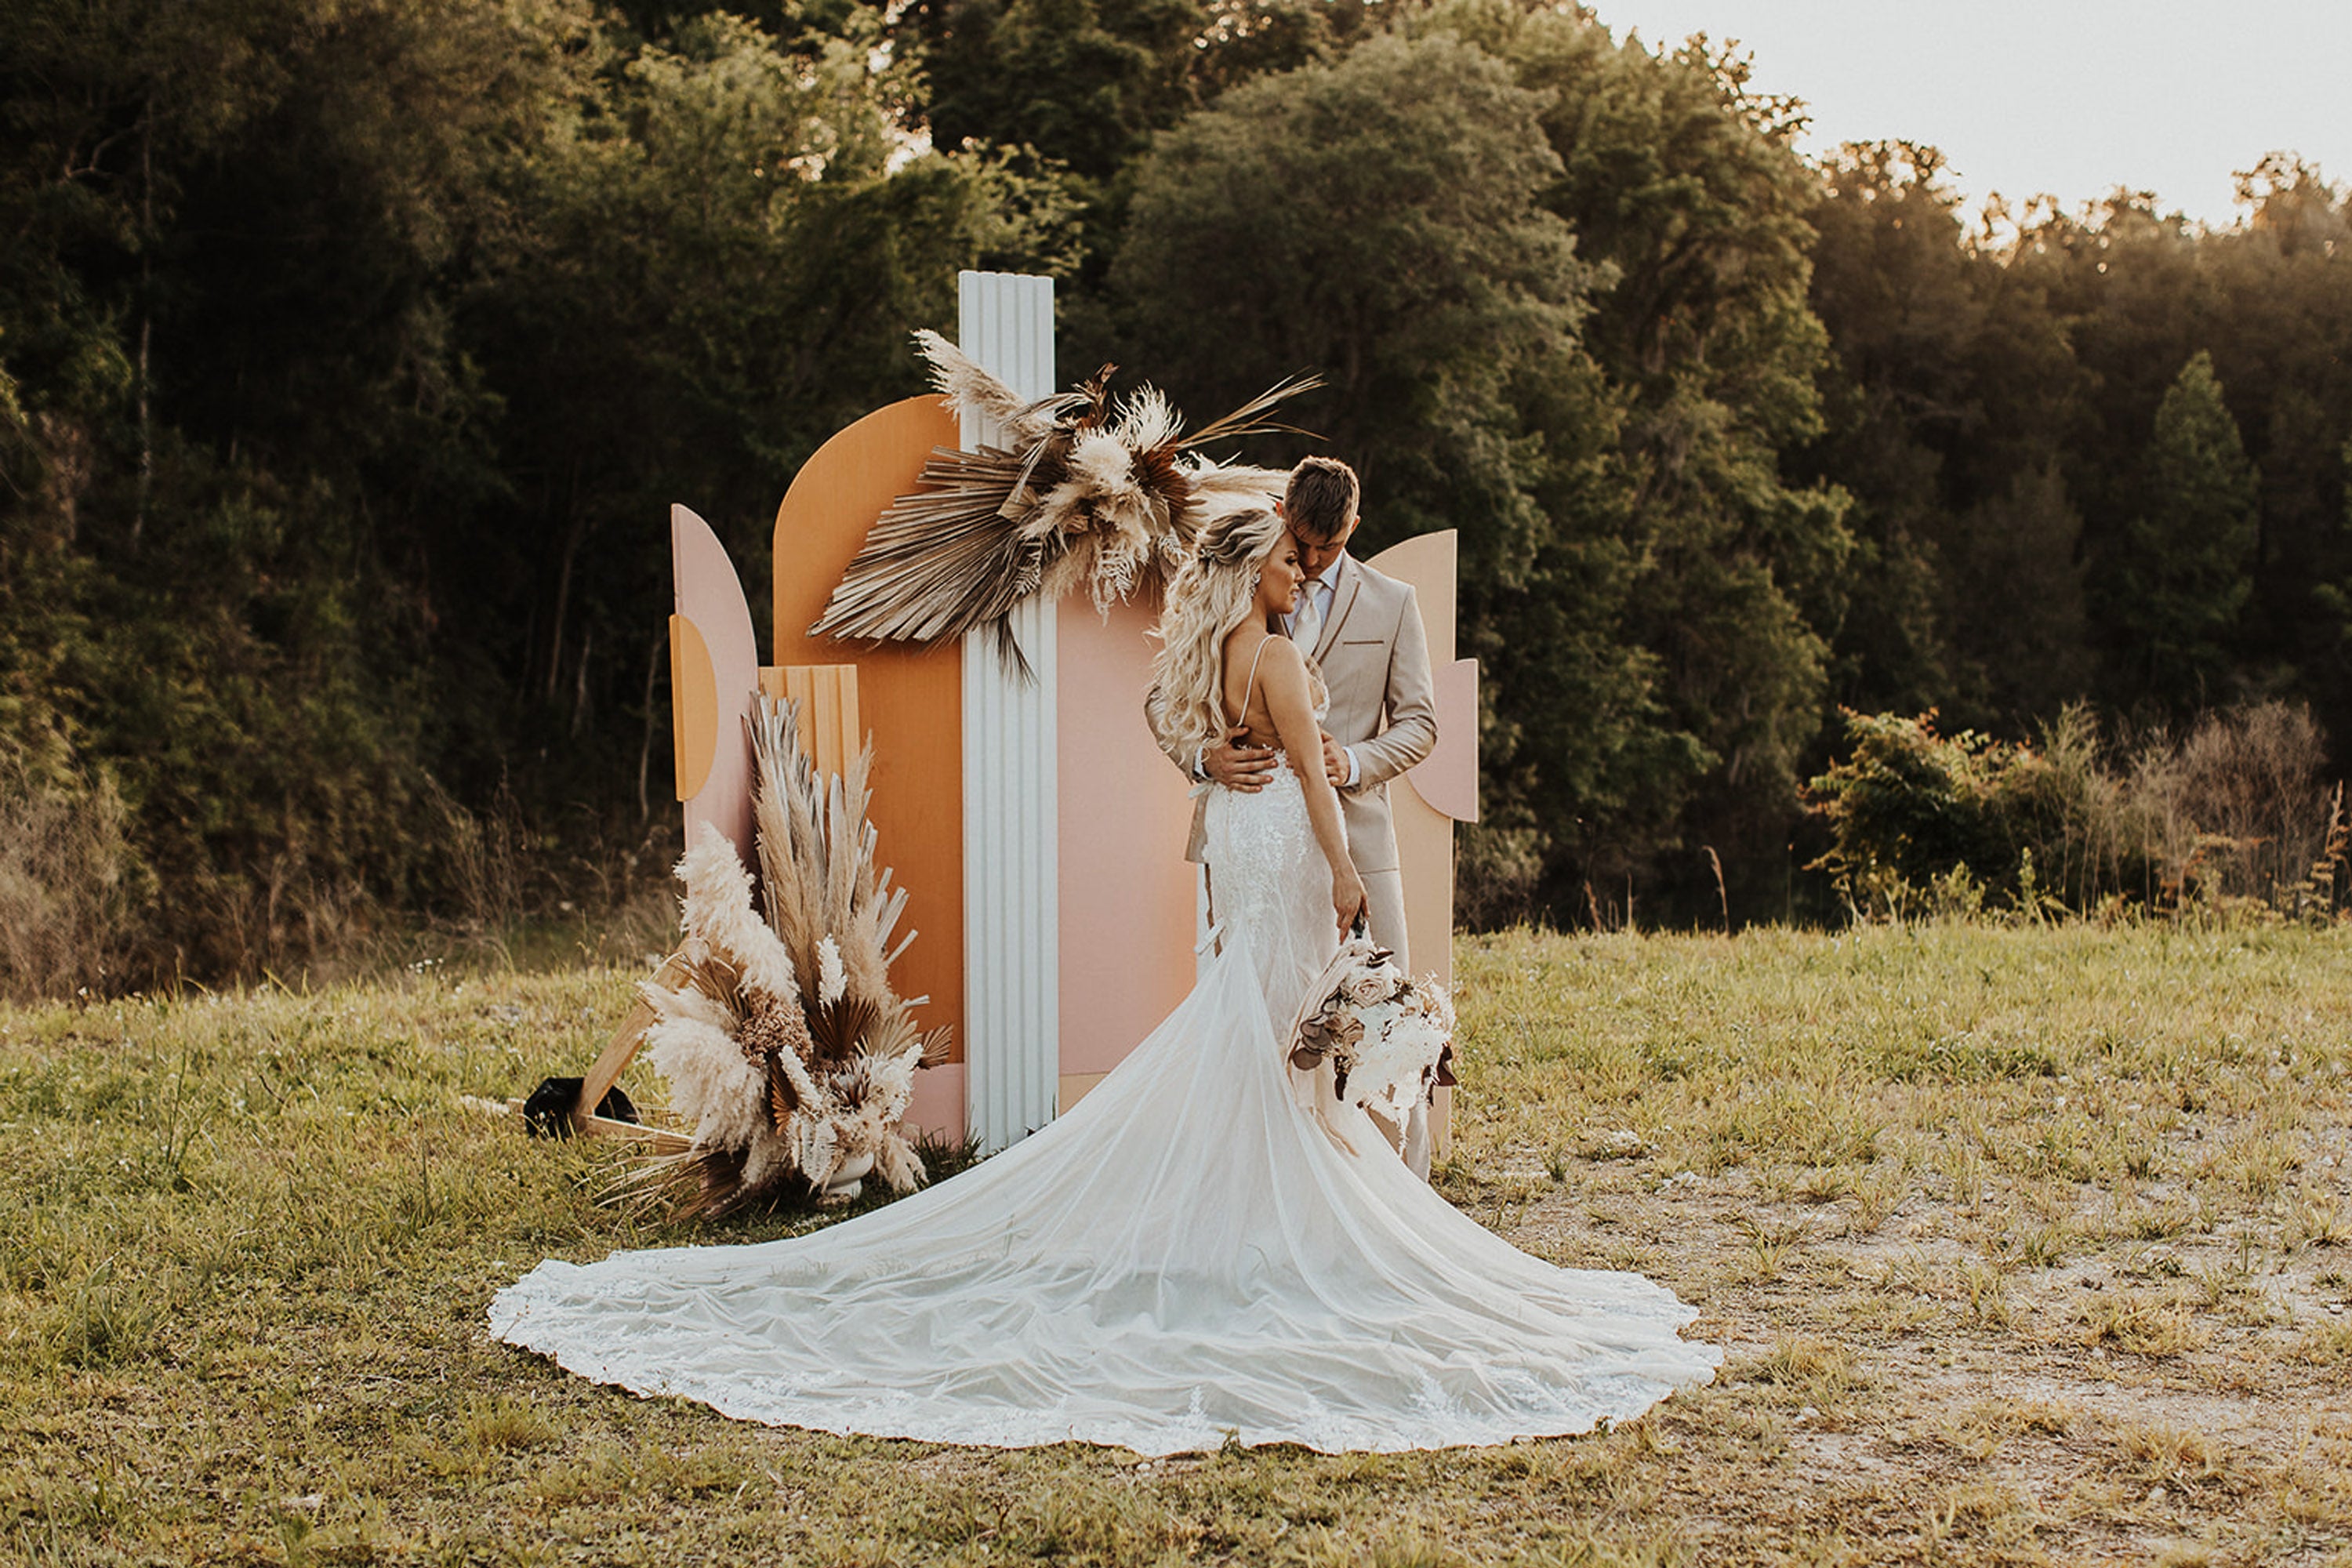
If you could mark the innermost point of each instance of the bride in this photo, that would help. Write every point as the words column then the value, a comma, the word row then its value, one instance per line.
column 1211, row 1244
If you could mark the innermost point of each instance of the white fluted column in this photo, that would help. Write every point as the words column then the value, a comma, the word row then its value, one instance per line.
column 1012, row 961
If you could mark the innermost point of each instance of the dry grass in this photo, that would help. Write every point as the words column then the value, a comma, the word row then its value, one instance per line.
column 70, row 883
column 2027, row 1247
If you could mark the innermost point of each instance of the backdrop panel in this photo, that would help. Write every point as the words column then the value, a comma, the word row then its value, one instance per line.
column 912, row 702
column 1126, row 888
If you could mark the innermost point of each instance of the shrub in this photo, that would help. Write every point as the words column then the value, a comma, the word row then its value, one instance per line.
column 1911, row 808
column 2237, row 812
column 1495, row 873
column 2246, row 785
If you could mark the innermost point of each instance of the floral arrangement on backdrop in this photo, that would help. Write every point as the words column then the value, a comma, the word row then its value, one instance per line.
column 1390, row 1037
column 1084, row 491
column 785, row 1046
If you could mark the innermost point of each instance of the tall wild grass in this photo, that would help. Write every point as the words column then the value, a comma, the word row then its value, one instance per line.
column 71, row 885
column 80, row 908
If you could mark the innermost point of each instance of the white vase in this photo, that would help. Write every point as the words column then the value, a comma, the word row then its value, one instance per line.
column 846, row 1181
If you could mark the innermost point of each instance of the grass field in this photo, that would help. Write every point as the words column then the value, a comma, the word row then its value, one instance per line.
column 2026, row 1246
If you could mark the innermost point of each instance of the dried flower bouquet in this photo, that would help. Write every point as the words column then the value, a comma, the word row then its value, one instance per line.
column 786, row 1047
column 1390, row 1037
column 1084, row 491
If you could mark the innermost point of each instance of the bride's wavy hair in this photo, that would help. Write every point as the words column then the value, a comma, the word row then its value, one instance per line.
column 1211, row 594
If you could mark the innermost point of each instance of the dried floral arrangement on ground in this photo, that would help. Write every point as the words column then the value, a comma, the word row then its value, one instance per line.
column 785, row 1046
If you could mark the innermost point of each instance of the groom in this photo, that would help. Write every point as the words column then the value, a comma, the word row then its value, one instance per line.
column 1363, row 627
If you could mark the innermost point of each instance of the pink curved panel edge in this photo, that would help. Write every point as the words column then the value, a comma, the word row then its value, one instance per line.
column 1448, row 777
column 711, row 595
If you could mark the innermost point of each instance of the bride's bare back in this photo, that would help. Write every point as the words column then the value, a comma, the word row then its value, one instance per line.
column 1244, row 694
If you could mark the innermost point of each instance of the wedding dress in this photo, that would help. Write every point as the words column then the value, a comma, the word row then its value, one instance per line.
column 1208, row 1246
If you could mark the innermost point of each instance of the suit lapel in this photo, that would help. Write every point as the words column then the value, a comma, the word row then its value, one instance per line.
column 1343, row 599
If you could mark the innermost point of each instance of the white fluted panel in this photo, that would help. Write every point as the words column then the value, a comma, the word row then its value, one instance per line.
column 1012, row 924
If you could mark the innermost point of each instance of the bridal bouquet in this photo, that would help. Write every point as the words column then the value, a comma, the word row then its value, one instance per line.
column 1390, row 1037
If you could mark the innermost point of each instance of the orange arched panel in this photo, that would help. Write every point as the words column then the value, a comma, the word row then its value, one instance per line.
column 694, row 695
column 910, row 699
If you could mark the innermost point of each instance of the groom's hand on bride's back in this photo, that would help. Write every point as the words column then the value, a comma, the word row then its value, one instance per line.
column 1235, row 766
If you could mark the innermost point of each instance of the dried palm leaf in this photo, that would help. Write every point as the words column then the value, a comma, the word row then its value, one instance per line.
column 964, row 386
column 1244, row 421
column 1081, row 493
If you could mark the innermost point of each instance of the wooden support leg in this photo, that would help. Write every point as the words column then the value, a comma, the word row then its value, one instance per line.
column 621, row 1049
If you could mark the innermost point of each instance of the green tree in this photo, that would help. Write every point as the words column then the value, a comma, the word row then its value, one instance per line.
column 2277, row 307
column 1685, row 193
column 2019, row 638
column 2180, row 580
column 1948, row 403
column 225, row 225
column 1069, row 94
column 1080, row 84
column 339, row 340
column 728, row 242
column 1891, row 285
column 1378, row 219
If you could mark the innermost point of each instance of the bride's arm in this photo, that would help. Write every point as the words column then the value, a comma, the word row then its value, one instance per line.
column 1283, row 677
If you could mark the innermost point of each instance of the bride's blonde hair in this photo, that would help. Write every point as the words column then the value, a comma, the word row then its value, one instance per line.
column 1213, row 593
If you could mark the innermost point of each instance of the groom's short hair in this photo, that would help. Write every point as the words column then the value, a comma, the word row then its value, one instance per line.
column 1321, row 498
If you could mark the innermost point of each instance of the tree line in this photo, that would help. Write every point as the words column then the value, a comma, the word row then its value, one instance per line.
column 351, row 353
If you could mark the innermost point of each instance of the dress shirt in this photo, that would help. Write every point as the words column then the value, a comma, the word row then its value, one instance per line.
column 1322, row 588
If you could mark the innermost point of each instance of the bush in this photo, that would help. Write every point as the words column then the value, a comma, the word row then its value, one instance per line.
column 2240, row 806
column 2235, row 813
column 1912, row 811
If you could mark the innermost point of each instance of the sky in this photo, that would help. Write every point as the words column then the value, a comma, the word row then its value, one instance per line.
column 2069, row 98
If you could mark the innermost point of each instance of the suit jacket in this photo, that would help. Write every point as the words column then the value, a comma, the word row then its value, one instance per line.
column 1374, row 655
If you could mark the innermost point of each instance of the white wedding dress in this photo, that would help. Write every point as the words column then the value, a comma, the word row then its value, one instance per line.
column 1208, row 1246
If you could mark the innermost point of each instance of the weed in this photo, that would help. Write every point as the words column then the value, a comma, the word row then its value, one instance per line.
column 1814, row 1369
column 2161, row 1453
column 1988, row 1292
column 2325, row 1344
column 2319, row 1221
column 2038, row 1246
column 2149, row 1326
column 2161, row 1223
column 1769, row 1247
column 1824, row 1184
column 496, row 1424
column 1962, row 1165
column 1876, row 1198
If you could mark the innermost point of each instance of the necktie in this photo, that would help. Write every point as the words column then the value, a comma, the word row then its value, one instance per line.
column 1308, row 622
